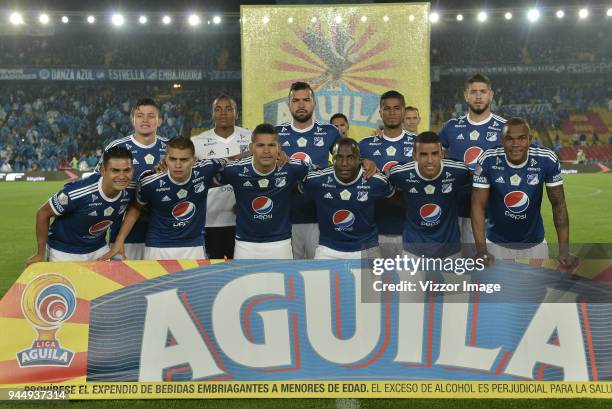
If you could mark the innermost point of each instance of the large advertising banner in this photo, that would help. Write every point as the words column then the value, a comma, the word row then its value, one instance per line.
column 349, row 54
column 185, row 329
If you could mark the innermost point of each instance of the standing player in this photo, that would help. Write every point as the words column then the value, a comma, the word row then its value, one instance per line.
column 510, row 180
column 177, row 200
column 394, row 146
column 147, row 149
column 465, row 138
column 84, row 210
column 431, row 186
column 310, row 141
column 263, row 190
column 340, row 121
column 224, row 140
column 345, row 204
column 412, row 119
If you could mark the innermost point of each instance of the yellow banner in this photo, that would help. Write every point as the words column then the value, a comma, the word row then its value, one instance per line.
column 349, row 54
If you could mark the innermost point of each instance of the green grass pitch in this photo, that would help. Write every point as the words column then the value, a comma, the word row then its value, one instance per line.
column 588, row 199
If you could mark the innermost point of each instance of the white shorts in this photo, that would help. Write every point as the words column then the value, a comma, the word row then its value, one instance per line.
column 391, row 245
column 174, row 253
column 304, row 240
column 465, row 230
column 134, row 251
column 274, row 250
column 56, row 255
column 539, row 251
column 325, row 253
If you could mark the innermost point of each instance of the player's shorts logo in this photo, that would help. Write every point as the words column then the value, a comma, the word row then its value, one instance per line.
column 262, row 205
column 430, row 212
column 302, row 156
column 184, row 211
column 343, row 219
column 516, row 201
column 470, row 157
column 389, row 165
column 100, row 227
column 46, row 302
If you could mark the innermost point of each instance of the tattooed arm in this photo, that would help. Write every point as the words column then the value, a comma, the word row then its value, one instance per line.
column 556, row 196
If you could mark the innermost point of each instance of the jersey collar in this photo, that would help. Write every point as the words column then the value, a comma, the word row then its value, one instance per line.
column 140, row 145
column 258, row 172
column 398, row 138
column 359, row 174
column 516, row 166
column 416, row 168
column 303, row 130
column 180, row 183
column 103, row 196
column 484, row 121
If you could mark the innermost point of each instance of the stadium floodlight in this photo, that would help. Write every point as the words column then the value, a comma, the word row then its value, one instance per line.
column 193, row 20
column 364, row 19
column 560, row 14
column 43, row 19
column 65, row 19
column 459, row 17
column 482, row 16
column 583, row 13
column 117, row 19
column 338, row 19
column 533, row 15
column 434, row 17
column 91, row 19
column 166, row 20
column 609, row 12
column 16, row 19
column 143, row 19
column 508, row 15
column 290, row 20
column 385, row 18
column 216, row 20
column 411, row 17
column 265, row 20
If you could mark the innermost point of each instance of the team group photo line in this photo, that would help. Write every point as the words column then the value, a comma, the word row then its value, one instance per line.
column 473, row 190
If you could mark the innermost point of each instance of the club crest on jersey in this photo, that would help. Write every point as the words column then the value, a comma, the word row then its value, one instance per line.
column 46, row 303
column 362, row 196
column 516, row 201
column 387, row 166
column 302, row 156
column 491, row 136
column 533, row 179
column 99, row 228
column 470, row 157
column 430, row 214
column 407, row 151
column 447, row 187
column 302, row 142
column 343, row 220
column 262, row 206
column 183, row 211
column 318, row 141
column 199, row 187
column 280, row 182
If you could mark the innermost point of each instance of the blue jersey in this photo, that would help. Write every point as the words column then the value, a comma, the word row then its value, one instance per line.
column 178, row 210
column 515, row 193
column 386, row 153
column 145, row 159
column 312, row 145
column 263, row 200
column 432, row 220
column 345, row 211
column 465, row 141
column 83, row 215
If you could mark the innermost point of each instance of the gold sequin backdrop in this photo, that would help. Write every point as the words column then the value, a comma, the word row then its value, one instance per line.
column 349, row 54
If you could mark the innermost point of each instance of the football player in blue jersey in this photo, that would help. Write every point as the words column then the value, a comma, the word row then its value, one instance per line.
column 345, row 204
column 84, row 210
column 465, row 138
column 431, row 186
column 394, row 145
column 262, row 188
column 340, row 121
column 412, row 119
column 510, row 181
column 147, row 149
column 177, row 200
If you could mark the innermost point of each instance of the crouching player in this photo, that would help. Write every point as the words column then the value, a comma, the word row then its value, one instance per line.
column 84, row 210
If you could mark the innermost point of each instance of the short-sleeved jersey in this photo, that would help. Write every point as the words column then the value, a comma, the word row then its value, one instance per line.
column 208, row 145
column 515, row 193
column 84, row 214
column 387, row 152
column 146, row 157
column 432, row 219
column 345, row 211
column 312, row 145
column 178, row 210
column 263, row 200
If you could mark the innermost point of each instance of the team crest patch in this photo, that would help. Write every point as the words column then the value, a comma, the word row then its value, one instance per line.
column 362, row 196
column 280, row 181
column 318, row 141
